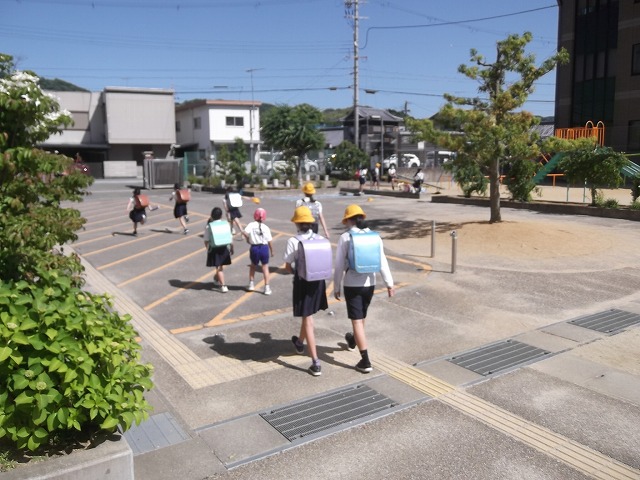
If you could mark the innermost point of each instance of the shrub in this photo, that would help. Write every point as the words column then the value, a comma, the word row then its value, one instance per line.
column 610, row 203
column 70, row 363
column 520, row 181
column 635, row 205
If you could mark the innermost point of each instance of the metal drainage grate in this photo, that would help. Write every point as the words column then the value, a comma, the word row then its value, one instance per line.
column 321, row 413
column 497, row 357
column 608, row 321
column 159, row 431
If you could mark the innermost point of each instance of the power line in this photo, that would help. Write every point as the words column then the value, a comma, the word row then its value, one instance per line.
column 458, row 22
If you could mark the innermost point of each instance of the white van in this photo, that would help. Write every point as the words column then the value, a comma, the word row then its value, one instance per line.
column 437, row 158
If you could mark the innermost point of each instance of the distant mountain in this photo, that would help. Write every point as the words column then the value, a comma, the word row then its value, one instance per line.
column 60, row 85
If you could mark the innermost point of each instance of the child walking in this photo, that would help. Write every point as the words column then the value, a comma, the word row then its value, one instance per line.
column 308, row 297
column 315, row 206
column 180, row 207
column 217, row 256
column 358, row 287
column 259, row 237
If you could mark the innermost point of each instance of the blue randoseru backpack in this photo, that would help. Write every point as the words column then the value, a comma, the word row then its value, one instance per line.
column 315, row 259
column 220, row 233
column 364, row 251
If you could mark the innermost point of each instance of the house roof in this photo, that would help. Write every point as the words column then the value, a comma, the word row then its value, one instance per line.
column 217, row 103
column 368, row 112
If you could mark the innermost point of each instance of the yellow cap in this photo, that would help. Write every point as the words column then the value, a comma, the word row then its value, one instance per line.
column 308, row 189
column 377, row 164
column 352, row 211
column 255, row 200
column 302, row 215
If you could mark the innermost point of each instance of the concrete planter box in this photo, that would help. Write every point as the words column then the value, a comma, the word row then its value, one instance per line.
column 111, row 460
column 565, row 208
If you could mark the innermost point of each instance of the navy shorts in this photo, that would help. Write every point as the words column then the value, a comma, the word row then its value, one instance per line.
column 358, row 300
column 259, row 254
column 234, row 212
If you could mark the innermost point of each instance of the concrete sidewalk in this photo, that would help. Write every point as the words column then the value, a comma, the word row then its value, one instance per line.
column 494, row 372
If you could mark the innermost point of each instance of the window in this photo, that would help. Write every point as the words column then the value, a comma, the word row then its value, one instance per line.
column 197, row 123
column 177, row 125
column 80, row 121
column 235, row 122
column 635, row 60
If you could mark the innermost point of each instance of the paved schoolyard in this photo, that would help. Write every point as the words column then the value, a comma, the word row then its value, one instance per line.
column 224, row 363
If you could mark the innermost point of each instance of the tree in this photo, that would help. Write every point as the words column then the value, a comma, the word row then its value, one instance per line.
column 595, row 167
column 34, row 183
column 348, row 157
column 69, row 364
column 493, row 132
column 293, row 130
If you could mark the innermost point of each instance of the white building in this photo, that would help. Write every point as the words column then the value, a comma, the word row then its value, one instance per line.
column 203, row 126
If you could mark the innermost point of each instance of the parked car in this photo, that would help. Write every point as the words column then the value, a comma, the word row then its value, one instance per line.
column 407, row 160
column 439, row 157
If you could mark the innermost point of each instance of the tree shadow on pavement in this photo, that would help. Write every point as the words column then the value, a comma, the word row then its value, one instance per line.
column 397, row 229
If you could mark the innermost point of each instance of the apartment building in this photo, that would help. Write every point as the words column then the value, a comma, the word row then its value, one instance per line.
column 602, row 80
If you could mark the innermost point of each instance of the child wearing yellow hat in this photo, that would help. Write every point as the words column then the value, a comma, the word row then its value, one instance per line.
column 315, row 206
column 308, row 296
column 358, row 287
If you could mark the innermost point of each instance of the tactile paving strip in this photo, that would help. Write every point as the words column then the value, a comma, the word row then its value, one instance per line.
column 609, row 321
column 321, row 413
column 497, row 357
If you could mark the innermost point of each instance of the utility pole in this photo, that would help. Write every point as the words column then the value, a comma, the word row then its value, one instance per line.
column 356, row 113
column 252, row 158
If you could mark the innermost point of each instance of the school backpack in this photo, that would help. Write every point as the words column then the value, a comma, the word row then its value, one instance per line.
column 183, row 195
column 313, row 207
column 315, row 259
column 364, row 251
column 220, row 234
column 141, row 201
column 235, row 200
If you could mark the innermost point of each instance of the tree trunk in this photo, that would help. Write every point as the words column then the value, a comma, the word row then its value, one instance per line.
column 494, row 190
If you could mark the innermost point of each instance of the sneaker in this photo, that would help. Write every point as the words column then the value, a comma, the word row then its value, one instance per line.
column 186, row 218
column 351, row 341
column 297, row 345
column 186, row 230
column 233, row 231
column 224, row 289
column 364, row 367
column 135, row 234
column 315, row 370
column 252, row 287
column 267, row 290
column 215, row 280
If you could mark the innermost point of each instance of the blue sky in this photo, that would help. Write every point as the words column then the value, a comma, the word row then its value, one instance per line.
column 295, row 51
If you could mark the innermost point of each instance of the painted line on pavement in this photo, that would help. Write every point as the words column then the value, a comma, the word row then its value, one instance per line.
column 139, row 254
column 118, row 245
column 180, row 290
column 155, row 270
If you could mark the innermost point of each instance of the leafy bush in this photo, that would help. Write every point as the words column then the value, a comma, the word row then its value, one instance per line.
column 635, row 187
column 610, row 203
column 69, row 361
column 635, row 205
column 519, row 179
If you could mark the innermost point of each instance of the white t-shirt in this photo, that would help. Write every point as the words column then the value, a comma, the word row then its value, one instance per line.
column 259, row 233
